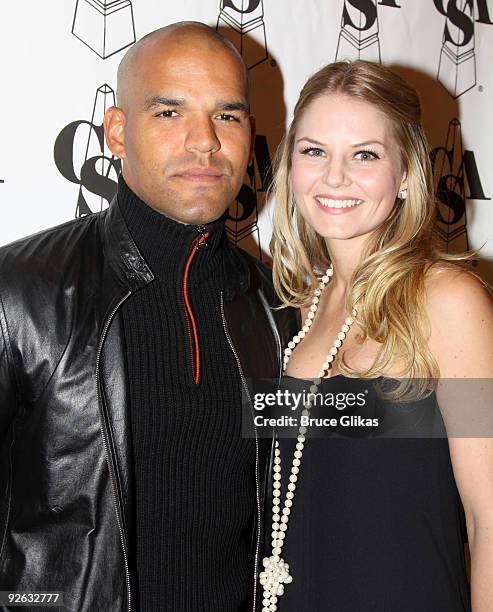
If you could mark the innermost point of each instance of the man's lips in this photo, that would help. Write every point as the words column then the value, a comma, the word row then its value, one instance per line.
column 200, row 175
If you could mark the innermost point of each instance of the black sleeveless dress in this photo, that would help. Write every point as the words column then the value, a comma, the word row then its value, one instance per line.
column 377, row 524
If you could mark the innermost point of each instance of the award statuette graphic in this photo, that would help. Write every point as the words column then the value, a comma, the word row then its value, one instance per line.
column 242, row 221
column 81, row 144
column 242, row 17
column 448, row 166
column 358, row 38
column 105, row 26
column 457, row 65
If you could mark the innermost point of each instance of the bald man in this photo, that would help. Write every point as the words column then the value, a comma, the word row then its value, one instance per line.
column 125, row 341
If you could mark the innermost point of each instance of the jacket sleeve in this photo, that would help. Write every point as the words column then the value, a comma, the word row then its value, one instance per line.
column 8, row 390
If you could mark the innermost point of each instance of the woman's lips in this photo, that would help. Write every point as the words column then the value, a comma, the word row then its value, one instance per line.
column 337, row 205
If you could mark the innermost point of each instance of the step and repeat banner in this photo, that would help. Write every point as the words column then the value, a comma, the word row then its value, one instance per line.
column 59, row 60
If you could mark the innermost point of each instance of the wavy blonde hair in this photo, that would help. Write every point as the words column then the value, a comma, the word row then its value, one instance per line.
column 388, row 285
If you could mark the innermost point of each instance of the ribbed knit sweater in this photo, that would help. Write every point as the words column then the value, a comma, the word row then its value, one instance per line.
column 194, row 474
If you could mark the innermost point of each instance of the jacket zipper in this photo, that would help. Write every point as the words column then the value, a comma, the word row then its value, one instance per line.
column 245, row 386
column 105, row 444
column 193, row 338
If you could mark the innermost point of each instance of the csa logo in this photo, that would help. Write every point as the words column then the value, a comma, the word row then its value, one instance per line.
column 457, row 63
column 105, row 26
column 452, row 167
column 358, row 38
column 242, row 17
column 82, row 157
column 243, row 214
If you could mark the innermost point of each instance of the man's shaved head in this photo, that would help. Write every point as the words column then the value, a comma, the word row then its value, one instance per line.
column 184, row 33
column 183, row 127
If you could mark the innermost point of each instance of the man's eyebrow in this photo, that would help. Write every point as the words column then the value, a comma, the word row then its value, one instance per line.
column 154, row 101
column 234, row 105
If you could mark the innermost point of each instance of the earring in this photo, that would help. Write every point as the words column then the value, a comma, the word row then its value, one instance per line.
column 403, row 194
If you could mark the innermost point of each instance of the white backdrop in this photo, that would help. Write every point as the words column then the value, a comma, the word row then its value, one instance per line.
column 59, row 61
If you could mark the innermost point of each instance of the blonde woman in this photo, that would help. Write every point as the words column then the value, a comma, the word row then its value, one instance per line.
column 375, row 525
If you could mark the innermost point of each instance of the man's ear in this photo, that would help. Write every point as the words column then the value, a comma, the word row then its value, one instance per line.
column 114, row 130
column 253, row 131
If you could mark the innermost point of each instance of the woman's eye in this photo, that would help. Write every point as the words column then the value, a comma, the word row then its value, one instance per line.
column 312, row 152
column 366, row 155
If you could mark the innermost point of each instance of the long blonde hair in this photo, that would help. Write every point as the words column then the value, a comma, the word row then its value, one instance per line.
column 388, row 285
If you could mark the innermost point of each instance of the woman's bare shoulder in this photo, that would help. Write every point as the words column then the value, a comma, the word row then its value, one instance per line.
column 460, row 311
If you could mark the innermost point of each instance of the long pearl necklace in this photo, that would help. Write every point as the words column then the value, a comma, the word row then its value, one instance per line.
column 276, row 571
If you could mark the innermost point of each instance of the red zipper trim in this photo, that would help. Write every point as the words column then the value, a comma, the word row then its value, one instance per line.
column 193, row 336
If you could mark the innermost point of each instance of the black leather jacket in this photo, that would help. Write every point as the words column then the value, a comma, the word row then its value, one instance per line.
column 65, row 453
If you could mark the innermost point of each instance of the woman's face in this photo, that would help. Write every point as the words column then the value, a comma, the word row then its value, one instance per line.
column 346, row 167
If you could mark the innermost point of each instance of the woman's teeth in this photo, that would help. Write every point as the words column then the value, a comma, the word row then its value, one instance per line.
column 338, row 203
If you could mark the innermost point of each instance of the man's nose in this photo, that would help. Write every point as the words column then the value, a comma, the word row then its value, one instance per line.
column 202, row 137
column 336, row 173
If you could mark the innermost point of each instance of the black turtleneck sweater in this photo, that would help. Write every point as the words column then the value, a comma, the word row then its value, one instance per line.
column 194, row 474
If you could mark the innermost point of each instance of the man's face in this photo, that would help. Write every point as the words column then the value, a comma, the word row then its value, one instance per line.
column 187, row 131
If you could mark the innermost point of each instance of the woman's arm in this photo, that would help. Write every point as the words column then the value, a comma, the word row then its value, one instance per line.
column 461, row 318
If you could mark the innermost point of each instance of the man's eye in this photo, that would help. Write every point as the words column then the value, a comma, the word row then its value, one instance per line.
column 167, row 114
column 227, row 117
column 312, row 152
column 366, row 155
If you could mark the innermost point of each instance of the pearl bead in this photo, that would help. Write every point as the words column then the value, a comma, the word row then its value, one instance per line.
column 276, row 573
